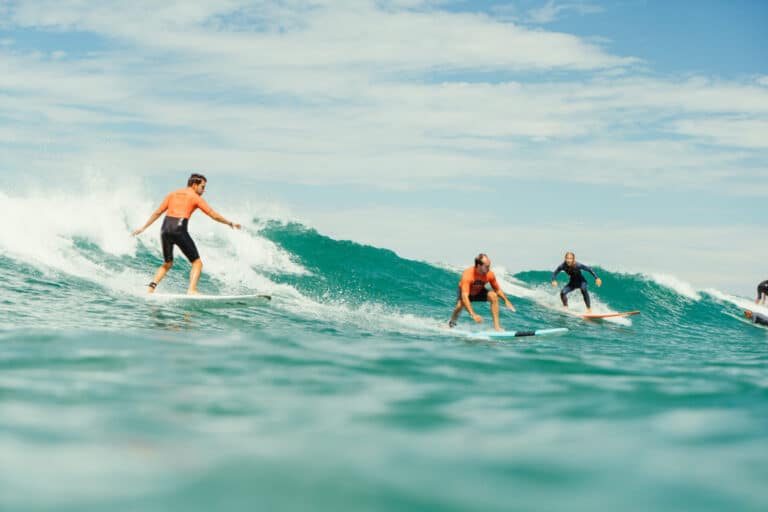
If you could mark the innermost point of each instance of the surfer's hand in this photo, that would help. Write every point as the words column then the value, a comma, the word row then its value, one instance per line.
column 510, row 306
column 599, row 282
column 554, row 283
column 477, row 318
column 234, row 225
column 137, row 232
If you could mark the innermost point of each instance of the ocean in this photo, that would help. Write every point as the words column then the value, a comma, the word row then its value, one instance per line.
column 346, row 392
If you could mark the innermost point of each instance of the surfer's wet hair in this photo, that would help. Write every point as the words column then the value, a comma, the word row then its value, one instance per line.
column 196, row 179
column 479, row 258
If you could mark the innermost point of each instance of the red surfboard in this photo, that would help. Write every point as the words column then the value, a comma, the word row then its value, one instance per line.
column 609, row 315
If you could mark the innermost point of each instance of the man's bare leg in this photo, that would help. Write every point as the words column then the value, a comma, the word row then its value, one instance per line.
column 160, row 274
column 194, row 276
column 494, row 300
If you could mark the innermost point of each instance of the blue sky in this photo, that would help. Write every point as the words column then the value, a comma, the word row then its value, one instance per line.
column 634, row 130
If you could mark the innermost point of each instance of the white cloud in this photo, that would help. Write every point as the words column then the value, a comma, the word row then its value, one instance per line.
column 743, row 133
column 552, row 10
column 351, row 33
column 328, row 92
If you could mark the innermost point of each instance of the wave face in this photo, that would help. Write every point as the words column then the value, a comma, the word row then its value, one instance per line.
column 346, row 392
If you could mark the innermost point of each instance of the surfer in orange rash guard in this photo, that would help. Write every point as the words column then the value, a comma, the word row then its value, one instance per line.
column 180, row 205
column 472, row 289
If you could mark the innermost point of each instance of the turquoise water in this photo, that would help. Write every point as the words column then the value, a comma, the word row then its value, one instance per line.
column 345, row 393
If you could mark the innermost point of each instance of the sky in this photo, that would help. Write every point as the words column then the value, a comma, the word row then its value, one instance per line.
column 633, row 132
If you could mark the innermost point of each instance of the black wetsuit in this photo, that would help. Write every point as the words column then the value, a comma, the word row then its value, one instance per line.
column 759, row 319
column 576, row 281
column 174, row 232
column 762, row 289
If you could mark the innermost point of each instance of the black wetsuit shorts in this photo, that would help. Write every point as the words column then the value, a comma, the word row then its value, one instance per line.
column 762, row 288
column 174, row 232
column 482, row 296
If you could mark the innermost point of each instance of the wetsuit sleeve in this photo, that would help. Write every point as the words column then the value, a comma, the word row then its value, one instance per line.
column 584, row 267
column 493, row 282
column 559, row 269
column 203, row 205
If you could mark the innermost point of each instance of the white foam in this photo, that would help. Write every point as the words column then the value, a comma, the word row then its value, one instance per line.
column 741, row 302
column 41, row 227
column 675, row 284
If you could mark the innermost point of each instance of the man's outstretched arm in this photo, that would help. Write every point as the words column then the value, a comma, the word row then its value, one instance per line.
column 219, row 218
column 152, row 218
column 151, row 221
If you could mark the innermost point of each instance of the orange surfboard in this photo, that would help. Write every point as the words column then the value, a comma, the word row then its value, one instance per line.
column 593, row 316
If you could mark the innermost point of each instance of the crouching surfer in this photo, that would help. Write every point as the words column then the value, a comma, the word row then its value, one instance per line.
column 472, row 288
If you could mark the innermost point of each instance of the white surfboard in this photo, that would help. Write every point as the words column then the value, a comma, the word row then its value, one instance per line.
column 505, row 335
column 211, row 300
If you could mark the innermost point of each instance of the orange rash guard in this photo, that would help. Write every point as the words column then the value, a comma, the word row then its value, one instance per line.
column 181, row 203
column 473, row 282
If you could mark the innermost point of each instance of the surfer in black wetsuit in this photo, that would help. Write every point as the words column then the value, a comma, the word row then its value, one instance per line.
column 756, row 318
column 762, row 292
column 571, row 267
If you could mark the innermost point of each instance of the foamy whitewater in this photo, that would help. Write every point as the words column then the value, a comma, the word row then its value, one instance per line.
column 346, row 392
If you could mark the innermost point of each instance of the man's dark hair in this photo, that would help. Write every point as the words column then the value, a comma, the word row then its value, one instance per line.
column 479, row 258
column 196, row 179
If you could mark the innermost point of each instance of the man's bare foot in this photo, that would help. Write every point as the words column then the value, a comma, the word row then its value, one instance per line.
column 589, row 311
column 150, row 289
column 757, row 301
column 193, row 292
column 499, row 328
